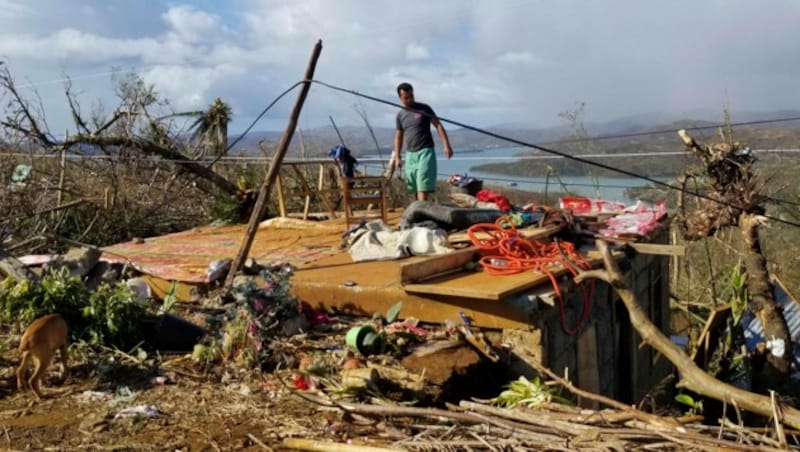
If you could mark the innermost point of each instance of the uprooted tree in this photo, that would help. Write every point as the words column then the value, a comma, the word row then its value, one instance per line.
column 135, row 170
column 734, row 200
column 132, row 126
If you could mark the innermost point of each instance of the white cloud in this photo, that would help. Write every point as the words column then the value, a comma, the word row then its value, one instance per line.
column 188, row 87
column 517, row 57
column 71, row 43
column 192, row 25
column 415, row 52
column 10, row 9
column 456, row 52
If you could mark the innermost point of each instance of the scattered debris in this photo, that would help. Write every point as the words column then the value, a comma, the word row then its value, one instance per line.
column 146, row 411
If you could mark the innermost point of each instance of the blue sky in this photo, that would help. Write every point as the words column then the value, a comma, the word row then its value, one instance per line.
column 480, row 62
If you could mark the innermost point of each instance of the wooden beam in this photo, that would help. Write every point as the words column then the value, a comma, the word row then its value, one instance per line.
column 438, row 265
column 642, row 247
column 281, row 198
column 528, row 233
column 659, row 249
column 321, row 191
column 307, row 190
column 707, row 342
column 272, row 174
column 481, row 285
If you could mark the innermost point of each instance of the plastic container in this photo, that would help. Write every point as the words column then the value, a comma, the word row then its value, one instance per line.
column 355, row 338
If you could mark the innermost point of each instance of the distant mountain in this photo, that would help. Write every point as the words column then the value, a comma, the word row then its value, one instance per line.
column 317, row 141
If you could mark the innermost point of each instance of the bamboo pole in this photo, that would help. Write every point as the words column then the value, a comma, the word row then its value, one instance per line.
column 275, row 164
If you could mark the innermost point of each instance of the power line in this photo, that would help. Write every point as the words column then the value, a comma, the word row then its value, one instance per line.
column 271, row 104
column 551, row 151
column 252, row 124
column 666, row 131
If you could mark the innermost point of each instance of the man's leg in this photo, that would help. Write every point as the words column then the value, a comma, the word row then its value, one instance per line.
column 411, row 172
column 426, row 174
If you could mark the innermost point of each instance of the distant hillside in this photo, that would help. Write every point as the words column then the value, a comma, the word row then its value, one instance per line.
column 319, row 140
column 760, row 136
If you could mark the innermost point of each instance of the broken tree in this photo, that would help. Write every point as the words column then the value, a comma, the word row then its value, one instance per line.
column 133, row 126
column 692, row 377
column 734, row 200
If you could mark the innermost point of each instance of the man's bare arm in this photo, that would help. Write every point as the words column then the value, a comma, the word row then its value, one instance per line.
column 398, row 146
column 448, row 150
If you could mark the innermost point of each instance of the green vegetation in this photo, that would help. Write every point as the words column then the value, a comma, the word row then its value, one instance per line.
column 529, row 393
column 261, row 313
column 109, row 315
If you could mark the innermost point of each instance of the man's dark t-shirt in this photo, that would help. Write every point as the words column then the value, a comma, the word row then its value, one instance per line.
column 416, row 127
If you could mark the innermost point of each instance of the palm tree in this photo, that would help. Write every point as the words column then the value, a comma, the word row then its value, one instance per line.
column 210, row 129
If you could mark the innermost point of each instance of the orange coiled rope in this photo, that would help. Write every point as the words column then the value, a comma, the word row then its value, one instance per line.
column 507, row 253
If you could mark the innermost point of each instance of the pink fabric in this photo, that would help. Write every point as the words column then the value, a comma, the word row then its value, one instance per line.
column 642, row 222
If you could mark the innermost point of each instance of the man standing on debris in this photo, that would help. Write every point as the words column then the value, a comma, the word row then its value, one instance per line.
column 414, row 124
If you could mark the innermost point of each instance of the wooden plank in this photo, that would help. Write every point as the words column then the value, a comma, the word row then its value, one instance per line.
column 588, row 366
column 184, row 292
column 650, row 248
column 321, row 186
column 478, row 285
column 433, row 266
column 709, row 338
column 530, row 233
column 489, row 287
column 281, row 199
column 307, row 189
column 659, row 249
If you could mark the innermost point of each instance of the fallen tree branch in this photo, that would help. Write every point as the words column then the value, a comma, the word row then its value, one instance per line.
column 656, row 421
column 329, row 446
column 150, row 147
column 692, row 377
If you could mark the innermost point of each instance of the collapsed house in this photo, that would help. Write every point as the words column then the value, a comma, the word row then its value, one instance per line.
column 533, row 315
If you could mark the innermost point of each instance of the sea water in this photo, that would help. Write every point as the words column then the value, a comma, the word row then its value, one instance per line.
column 603, row 187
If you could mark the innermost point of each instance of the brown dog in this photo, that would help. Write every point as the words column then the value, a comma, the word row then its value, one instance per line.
column 40, row 341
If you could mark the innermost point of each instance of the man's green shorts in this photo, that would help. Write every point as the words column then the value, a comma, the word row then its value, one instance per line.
column 421, row 170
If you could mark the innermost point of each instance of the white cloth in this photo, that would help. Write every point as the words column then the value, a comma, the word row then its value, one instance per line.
column 378, row 242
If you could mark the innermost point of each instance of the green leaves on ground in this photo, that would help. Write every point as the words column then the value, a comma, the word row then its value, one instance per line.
column 529, row 393
column 109, row 315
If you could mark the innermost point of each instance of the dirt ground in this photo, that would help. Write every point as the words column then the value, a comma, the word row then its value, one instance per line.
column 194, row 410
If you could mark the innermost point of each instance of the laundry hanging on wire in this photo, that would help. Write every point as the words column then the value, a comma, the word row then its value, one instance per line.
column 345, row 158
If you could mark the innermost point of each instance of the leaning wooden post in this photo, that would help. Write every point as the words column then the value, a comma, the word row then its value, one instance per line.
column 275, row 164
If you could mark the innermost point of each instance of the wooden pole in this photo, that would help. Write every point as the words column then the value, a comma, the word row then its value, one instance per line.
column 305, row 175
column 62, row 168
column 341, row 140
column 272, row 174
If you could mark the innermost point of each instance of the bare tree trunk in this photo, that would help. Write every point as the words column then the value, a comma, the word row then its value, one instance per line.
column 772, row 372
column 735, row 201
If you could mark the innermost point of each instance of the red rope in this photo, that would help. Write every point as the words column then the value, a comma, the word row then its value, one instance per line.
column 509, row 253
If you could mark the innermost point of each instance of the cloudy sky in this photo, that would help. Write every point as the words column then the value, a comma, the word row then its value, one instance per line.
column 481, row 62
